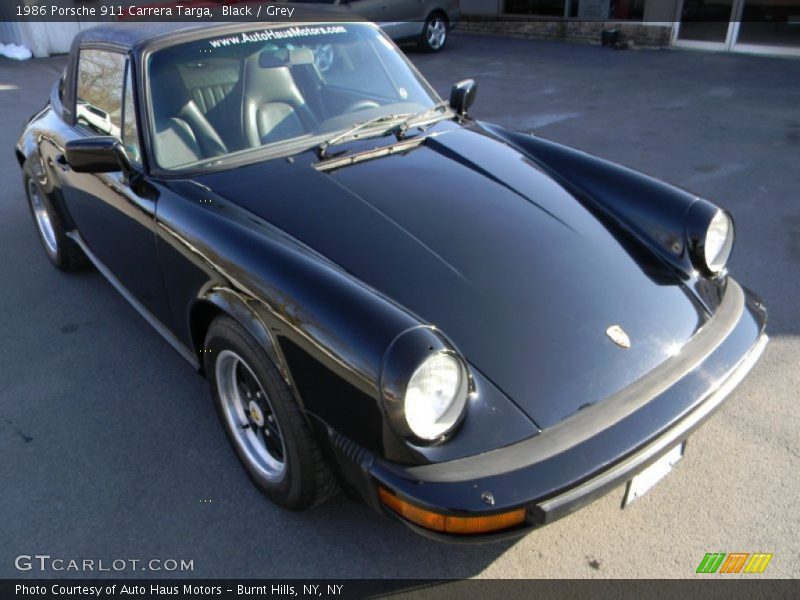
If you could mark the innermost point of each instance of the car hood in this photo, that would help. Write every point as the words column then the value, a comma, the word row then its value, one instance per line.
column 472, row 237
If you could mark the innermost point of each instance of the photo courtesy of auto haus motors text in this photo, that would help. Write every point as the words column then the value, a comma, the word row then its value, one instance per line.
column 132, row 590
column 354, row 298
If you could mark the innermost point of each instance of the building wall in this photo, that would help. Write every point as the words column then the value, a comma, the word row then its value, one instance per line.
column 43, row 38
column 661, row 10
column 481, row 7
column 46, row 38
column 639, row 33
column 654, row 29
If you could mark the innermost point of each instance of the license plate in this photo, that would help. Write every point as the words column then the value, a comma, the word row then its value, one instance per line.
column 641, row 483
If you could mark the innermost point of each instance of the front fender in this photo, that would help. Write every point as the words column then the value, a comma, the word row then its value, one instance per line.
column 658, row 214
column 655, row 211
column 327, row 330
column 240, row 308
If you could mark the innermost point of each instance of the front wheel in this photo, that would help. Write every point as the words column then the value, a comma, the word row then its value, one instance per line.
column 265, row 426
column 434, row 33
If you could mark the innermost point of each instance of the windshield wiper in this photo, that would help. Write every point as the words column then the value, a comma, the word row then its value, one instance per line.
column 401, row 128
column 352, row 131
column 408, row 119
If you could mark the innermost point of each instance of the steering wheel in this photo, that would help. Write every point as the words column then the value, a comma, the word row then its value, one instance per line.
column 361, row 105
column 323, row 57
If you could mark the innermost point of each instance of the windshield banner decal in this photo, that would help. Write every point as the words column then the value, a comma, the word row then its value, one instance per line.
column 268, row 35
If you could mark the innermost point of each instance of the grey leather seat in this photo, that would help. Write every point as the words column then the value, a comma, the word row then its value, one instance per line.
column 215, row 85
column 183, row 134
column 176, row 143
column 273, row 107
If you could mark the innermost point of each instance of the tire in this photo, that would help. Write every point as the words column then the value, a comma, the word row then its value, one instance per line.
column 272, row 439
column 62, row 251
column 434, row 34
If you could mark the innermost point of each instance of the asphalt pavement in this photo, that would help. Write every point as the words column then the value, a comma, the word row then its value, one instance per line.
column 110, row 447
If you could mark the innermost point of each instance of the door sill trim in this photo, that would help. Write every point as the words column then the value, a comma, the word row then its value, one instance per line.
column 140, row 308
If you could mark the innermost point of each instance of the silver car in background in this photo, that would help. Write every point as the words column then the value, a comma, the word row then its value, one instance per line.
column 426, row 22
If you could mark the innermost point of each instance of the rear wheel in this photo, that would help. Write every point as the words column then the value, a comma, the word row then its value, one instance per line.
column 62, row 251
column 265, row 426
column 434, row 33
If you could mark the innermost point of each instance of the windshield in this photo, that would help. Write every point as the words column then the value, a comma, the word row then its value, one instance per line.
column 277, row 87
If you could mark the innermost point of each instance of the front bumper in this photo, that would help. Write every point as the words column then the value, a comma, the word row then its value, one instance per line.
column 585, row 456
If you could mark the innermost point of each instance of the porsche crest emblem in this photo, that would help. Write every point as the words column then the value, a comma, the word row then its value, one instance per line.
column 618, row 336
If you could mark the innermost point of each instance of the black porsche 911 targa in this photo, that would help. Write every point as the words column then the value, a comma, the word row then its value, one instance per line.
column 474, row 330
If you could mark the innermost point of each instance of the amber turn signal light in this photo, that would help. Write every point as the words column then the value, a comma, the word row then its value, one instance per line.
column 447, row 524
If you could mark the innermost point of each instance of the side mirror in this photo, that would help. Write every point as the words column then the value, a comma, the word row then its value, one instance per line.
column 463, row 95
column 97, row 155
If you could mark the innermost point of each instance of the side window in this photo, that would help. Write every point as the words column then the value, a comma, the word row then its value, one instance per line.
column 130, row 133
column 98, row 105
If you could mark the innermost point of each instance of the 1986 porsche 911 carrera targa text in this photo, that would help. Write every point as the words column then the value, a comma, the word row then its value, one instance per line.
column 474, row 330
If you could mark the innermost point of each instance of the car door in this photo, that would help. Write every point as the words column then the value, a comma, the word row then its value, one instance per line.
column 396, row 17
column 115, row 212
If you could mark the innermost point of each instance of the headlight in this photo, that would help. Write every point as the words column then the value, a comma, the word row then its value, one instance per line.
column 436, row 396
column 719, row 242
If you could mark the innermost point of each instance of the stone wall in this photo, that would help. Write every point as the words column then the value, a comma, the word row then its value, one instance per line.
column 640, row 34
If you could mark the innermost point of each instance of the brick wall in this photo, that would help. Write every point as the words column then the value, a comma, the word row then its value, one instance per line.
column 648, row 35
